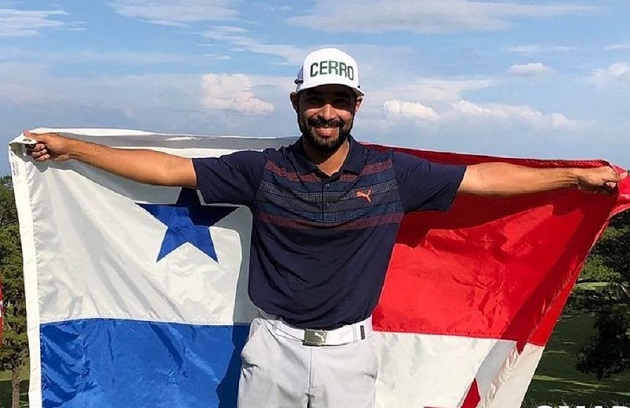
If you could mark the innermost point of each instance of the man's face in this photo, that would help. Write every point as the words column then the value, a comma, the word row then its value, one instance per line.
column 325, row 115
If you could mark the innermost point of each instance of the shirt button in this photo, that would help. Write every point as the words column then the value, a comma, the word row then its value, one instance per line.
column 327, row 205
column 327, row 185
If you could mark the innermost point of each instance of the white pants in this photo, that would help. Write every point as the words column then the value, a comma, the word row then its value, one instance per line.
column 280, row 372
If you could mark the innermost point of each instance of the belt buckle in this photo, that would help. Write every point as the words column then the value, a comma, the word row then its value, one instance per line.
column 314, row 337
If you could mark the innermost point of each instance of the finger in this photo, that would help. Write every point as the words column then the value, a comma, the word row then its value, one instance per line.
column 620, row 175
column 42, row 158
column 38, row 137
column 28, row 134
column 36, row 150
column 603, row 190
column 612, row 174
column 610, row 185
column 36, row 147
column 39, row 153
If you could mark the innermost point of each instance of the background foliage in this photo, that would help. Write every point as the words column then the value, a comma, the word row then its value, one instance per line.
column 14, row 348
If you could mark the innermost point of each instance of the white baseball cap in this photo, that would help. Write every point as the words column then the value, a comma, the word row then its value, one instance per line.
column 328, row 66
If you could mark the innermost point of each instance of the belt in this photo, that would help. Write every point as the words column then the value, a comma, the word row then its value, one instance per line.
column 310, row 337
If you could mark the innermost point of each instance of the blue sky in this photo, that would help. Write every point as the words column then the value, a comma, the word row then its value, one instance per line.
column 544, row 79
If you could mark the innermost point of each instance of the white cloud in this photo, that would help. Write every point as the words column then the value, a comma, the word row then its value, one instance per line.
column 27, row 23
column 448, row 89
column 615, row 74
column 431, row 90
column 429, row 16
column 440, row 105
column 124, row 57
column 223, row 32
column 410, row 110
column 175, row 13
column 218, row 57
column 34, row 83
column 237, row 36
column 232, row 92
column 33, row 95
column 530, row 69
column 89, row 56
column 618, row 47
column 540, row 49
column 515, row 114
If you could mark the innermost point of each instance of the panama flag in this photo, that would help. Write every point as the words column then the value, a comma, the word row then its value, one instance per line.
column 137, row 297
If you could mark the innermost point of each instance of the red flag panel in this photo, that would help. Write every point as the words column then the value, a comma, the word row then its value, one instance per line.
column 498, row 268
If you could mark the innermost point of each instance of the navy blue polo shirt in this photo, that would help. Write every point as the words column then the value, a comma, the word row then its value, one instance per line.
column 321, row 244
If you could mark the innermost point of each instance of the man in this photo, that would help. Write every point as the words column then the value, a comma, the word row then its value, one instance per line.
column 326, row 212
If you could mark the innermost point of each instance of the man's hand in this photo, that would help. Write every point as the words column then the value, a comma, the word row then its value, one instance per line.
column 48, row 146
column 602, row 180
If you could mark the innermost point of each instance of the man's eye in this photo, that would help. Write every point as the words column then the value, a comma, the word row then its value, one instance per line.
column 314, row 100
column 341, row 102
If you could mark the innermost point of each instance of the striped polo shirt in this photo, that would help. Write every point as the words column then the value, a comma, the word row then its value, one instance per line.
column 321, row 244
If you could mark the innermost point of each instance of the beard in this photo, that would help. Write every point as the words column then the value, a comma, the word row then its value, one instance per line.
column 324, row 145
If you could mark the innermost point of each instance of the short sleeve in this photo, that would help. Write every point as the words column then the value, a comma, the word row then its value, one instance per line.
column 424, row 185
column 233, row 178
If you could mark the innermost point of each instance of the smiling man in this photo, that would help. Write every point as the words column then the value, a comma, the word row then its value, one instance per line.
column 326, row 211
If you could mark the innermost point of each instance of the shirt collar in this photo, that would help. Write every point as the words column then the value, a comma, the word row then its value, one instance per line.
column 353, row 164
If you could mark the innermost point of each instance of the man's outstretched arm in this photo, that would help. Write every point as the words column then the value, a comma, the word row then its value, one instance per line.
column 503, row 179
column 142, row 165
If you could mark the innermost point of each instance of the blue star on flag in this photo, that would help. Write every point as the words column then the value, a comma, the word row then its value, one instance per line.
column 187, row 221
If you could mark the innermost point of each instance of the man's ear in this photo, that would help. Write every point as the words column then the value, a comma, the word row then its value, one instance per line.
column 357, row 103
column 295, row 98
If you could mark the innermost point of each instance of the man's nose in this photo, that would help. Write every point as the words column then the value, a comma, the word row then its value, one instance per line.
column 327, row 112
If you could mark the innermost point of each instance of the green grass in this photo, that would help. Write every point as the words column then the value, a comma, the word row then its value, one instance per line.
column 5, row 388
column 556, row 382
column 592, row 285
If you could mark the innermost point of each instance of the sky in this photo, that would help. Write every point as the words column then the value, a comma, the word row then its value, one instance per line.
column 537, row 78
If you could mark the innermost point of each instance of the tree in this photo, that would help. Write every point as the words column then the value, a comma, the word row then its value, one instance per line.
column 14, row 349
column 608, row 351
